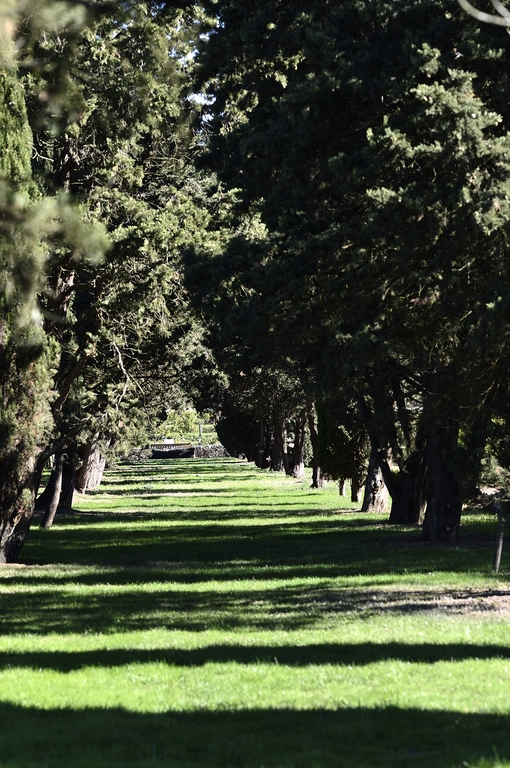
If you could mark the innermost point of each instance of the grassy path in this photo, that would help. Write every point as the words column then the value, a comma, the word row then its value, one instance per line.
column 201, row 613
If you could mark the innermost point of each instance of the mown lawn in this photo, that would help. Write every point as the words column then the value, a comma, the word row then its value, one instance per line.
column 202, row 613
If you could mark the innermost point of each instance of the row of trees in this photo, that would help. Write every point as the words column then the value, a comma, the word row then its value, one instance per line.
column 296, row 219
column 99, row 195
column 369, row 146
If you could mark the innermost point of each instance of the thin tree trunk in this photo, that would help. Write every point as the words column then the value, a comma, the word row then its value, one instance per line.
column 318, row 480
column 298, row 464
column 356, row 486
column 68, row 480
column 280, row 456
column 260, row 462
column 55, row 490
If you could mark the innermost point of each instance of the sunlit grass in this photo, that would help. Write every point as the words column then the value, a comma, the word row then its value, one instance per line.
column 200, row 612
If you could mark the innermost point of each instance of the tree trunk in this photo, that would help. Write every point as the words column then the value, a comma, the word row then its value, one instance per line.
column 409, row 498
column 67, row 482
column 376, row 492
column 279, row 455
column 17, row 504
column 262, row 435
column 356, row 486
column 276, row 464
column 55, row 487
column 298, row 457
column 90, row 474
column 318, row 480
column 444, row 507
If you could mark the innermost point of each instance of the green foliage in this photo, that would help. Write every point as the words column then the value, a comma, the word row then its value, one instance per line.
column 372, row 141
column 112, row 127
column 182, row 426
column 15, row 134
column 343, row 444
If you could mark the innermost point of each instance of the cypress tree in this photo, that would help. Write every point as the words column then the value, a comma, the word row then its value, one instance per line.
column 25, row 354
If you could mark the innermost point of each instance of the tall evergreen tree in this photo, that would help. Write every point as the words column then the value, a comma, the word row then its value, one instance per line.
column 372, row 138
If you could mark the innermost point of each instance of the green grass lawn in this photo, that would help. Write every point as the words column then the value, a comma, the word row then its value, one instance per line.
column 203, row 613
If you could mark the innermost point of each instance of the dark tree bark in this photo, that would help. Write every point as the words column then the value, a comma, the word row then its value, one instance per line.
column 407, row 487
column 64, row 475
column 54, row 489
column 376, row 494
column 238, row 432
column 264, row 452
column 318, row 480
column 356, row 486
column 280, row 456
column 408, row 495
column 17, row 497
column 276, row 464
column 298, row 457
column 444, row 506
column 68, row 480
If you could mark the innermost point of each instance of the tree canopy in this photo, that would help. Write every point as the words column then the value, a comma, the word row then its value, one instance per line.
column 270, row 211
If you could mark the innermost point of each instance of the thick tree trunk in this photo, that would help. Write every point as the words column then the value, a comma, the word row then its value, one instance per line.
column 298, row 457
column 318, row 480
column 409, row 498
column 17, row 501
column 444, row 506
column 276, row 464
column 407, row 488
column 90, row 474
column 376, row 493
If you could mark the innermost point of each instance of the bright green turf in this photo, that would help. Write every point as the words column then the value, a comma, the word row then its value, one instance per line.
column 202, row 613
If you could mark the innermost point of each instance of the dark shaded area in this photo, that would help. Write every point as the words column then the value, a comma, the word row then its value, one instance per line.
column 176, row 453
column 286, row 608
column 352, row 654
column 328, row 547
column 346, row 738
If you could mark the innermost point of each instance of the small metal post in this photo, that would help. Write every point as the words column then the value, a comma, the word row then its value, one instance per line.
column 501, row 507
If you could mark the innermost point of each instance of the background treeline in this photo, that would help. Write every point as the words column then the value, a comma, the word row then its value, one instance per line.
column 296, row 220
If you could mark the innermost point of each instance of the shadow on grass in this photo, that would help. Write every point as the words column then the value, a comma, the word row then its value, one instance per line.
column 359, row 654
column 118, row 487
column 304, row 548
column 347, row 738
column 284, row 608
